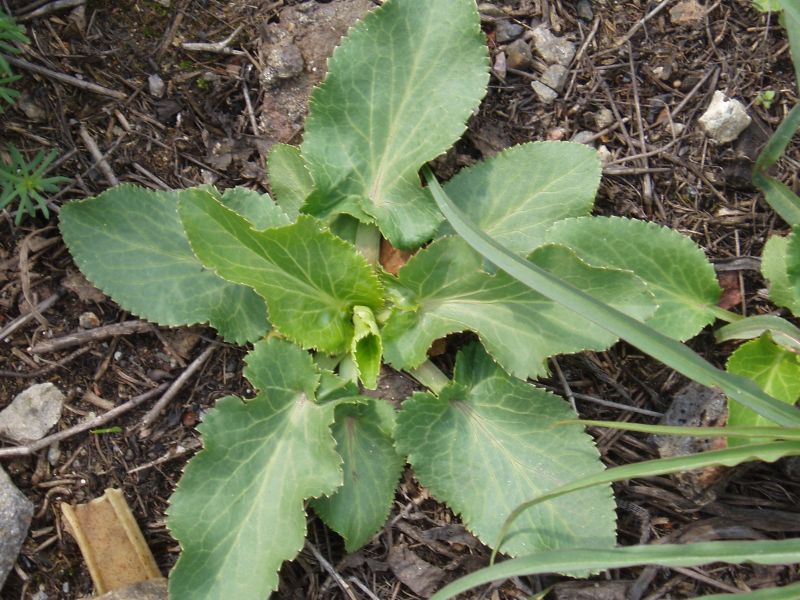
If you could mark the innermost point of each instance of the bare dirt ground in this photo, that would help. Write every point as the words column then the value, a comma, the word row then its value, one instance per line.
column 216, row 118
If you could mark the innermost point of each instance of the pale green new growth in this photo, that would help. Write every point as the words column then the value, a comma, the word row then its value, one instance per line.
column 289, row 178
column 238, row 510
column 130, row 243
column 310, row 279
column 398, row 93
column 486, row 444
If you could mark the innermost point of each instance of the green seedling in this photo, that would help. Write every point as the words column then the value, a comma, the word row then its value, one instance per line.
column 26, row 182
column 298, row 276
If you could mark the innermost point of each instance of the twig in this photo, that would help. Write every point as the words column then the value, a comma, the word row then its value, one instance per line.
column 564, row 385
column 22, row 319
column 216, row 47
column 639, row 24
column 174, row 388
column 64, row 78
column 98, row 157
column 49, row 8
column 172, row 454
column 249, row 105
column 81, row 427
column 331, row 571
column 92, row 335
column 47, row 368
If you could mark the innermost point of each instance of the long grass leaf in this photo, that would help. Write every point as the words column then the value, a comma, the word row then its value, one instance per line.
column 764, row 552
column 670, row 352
column 780, row 433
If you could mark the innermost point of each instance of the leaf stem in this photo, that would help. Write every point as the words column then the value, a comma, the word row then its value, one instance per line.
column 429, row 375
column 725, row 315
column 368, row 242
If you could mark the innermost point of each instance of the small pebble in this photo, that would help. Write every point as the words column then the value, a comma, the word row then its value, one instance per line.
column 583, row 137
column 518, row 55
column 190, row 418
column 556, row 134
column 552, row 49
column 500, row 67
column 156, row 85
column 88, row 320
column 604, row 154
column 724, row 119
column 544, row 93
column 603, row 118
column 555, row 76
column 117, row 355
column 585, row 11
column 505, row 31
column 32, row 413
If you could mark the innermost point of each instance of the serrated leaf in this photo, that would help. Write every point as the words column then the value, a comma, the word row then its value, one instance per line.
column 238, row 509
column 775, row 369
column 255, row 207
column 486, row 444
column 774, row 270
column 443, row 289
column 372, row 468
column 378, row 116
column 675, row 269
column 366, row 347
column 289, row 178
column 310, row 279
column 130, row 243
column 793, row 264
column 518, row 194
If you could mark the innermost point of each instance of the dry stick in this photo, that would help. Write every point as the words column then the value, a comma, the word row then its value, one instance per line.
column 249, row 105
column 632, row 31
column 22, row 319
column 98, row 157
column 64, row 78
column 48, row 8
column 81, row 427
column 92, row 335
column 159, row 406
column 331, row 571
column 172, row 454
column 220, row 47
column 47, row 368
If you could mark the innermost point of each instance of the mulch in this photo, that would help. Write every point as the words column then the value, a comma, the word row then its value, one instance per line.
column 209, row 127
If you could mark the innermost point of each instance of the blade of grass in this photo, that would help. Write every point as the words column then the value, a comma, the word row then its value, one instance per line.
column 782, row 200
column 777, row 143
column 783, row 332
column 780, row 433
column 769, row 552
column 728, row 457
column 669, row 351
column 791, row 15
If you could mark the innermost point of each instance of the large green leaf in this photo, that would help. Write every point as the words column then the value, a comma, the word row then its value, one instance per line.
column 130, row 243
column 774, row 270
column 762, row 552
column 257, row 208
column 516, row 195
column 398, row 93
column 444, row 289
column 238, row 510
column 675, row 269
column 486, row 443
column 372, row 466
column 775, row 369
column 289, row 178
column 310, row 279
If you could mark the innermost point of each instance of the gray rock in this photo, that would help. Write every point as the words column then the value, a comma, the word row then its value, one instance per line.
column 490, row 10
column 15, row 518
column 603, row 118
column 156, row 85
column 505, row 31
column 583, row 137
column 724, row 119
column 585, row 11
column 32, row 413
column 283, row 62
column 545, row 94
column 555, row 76
column 518, row 55
column 552, row 49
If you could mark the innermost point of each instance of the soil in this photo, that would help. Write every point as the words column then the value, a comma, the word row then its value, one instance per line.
column 219, row 114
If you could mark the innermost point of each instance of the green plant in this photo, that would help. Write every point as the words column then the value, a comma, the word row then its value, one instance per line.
column 10, row 33
column 765, row 98
column 304, row 268
column 25, row 180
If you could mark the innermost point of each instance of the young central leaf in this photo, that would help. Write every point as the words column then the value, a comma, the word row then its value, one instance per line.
column 310, row 279
column 487, row 444
column 398, row 93
column 444, row 289
column 238, row 510
column 130, row 243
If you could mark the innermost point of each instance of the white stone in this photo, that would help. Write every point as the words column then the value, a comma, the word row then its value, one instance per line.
column 724, row 119
column 555, row 77
column 32, row 413
column 552, row 49
column 156, row 86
